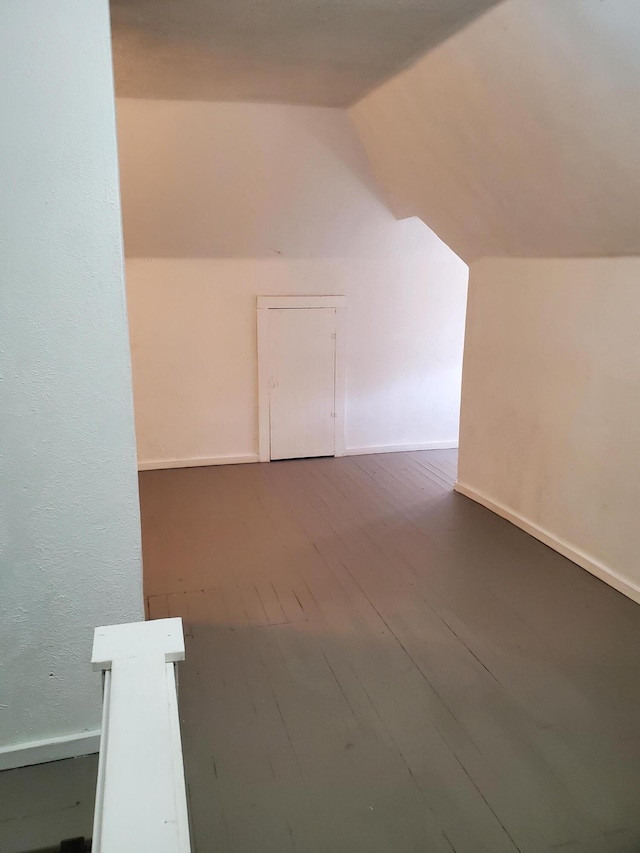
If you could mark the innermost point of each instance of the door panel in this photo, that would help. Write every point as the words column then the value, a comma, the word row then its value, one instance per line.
column 302, row 395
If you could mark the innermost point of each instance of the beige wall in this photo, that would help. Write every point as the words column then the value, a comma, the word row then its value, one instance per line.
column 224, row 202
column 519, row 135
column 551, row 404
column 518, row 138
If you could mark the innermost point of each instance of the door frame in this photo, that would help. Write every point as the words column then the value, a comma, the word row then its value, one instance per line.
column 264, row 303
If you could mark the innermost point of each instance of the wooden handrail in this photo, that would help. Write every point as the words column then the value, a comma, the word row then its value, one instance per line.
column 141, row 801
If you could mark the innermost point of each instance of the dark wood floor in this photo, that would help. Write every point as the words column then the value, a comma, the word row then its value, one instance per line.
column 44, row 804
column 376, row 664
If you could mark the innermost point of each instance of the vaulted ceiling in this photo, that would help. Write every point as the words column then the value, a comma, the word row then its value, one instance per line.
column 325, row 52
column 521, row 134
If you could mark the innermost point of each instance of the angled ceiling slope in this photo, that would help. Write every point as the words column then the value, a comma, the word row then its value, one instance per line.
column 521, row 134
column 324, row 52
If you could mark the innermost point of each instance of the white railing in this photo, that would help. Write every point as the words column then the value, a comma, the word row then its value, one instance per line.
column 141, row 801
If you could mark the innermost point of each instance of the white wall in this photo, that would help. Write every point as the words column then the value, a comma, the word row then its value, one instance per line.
column 69, row 527
column 519, row 135
column 550, row 427
column 224, row 202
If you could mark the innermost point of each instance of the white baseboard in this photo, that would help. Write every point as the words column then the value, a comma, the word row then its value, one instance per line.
column 401, row 448
column 582, row 559
column 160, row 464
column 53, row 749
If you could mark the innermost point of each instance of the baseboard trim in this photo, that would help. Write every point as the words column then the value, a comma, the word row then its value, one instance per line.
column 52, row 749
column 200, row 462
column 581, row 558
column 400, row 448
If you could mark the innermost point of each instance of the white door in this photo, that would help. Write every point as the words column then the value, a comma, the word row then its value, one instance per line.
column 302, row 356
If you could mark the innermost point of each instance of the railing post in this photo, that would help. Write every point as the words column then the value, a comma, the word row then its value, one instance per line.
column 141, row 799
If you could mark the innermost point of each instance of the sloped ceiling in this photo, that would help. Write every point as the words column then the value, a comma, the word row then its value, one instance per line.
column 324, row 52
column 521, row 134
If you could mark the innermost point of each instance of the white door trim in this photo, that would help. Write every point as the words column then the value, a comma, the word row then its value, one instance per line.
column 264, row 304
column 302, row 301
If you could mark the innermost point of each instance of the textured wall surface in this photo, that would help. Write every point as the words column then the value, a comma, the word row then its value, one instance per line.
column 270, row 199
column 69, row 524
column 519, row 135
column 551, row 400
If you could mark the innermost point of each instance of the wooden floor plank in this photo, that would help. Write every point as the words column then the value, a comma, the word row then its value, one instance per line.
column 375, row 663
